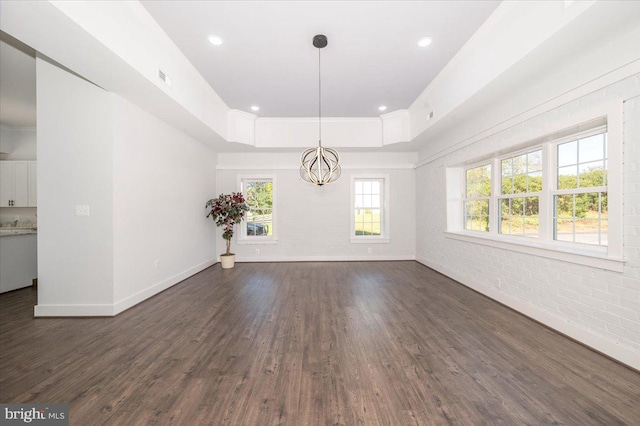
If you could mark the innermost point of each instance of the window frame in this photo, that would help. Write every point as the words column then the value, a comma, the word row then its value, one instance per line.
column 610, row 120
column 241, row 229
column 385, row 232
column 497, row 196
column 465, row 198
column 554, row 191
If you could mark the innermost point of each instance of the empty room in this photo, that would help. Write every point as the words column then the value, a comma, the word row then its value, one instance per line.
column 320, row 212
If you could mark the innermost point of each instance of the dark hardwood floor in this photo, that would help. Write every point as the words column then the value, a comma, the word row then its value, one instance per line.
column 351, row 343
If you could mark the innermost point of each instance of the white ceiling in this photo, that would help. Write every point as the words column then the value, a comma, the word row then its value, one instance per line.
column 17, row 83
column 268, row 59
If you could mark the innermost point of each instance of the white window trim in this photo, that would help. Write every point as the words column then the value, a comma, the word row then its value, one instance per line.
column 606, row 257
column 496, row 193
column 241, row 229
column 532, row 247
column 385, row 236
column 553, row 181
column 464, row 193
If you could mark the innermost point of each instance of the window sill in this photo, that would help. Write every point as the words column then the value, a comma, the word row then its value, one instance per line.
column 593, row 259
column 370, row 240
column 258, row 242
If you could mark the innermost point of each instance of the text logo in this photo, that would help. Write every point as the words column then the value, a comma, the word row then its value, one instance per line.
column 36, row 414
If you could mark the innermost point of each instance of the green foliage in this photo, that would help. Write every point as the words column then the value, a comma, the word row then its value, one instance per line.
column 522, row 174
column 260, row 197
column 478, row 184
column 477, row 215
column 226, row 211
column 478, row 181
column 587, row 204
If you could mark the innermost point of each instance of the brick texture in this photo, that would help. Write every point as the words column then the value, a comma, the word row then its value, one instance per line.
column 596, row 301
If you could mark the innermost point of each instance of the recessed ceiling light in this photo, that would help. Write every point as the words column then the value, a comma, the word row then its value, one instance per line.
column 255, row 108
column 424, row 41
column 382, row 108
column 215, row 40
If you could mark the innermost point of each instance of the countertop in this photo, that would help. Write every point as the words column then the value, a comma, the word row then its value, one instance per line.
column 13, row 232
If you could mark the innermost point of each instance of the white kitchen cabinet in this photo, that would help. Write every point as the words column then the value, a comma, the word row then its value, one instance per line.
column 6, row 183
column 18, row 183
column 19, row 259
column 33, row 184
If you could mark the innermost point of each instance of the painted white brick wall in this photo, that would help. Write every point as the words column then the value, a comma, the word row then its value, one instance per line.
column 313, row 222
column 598, row 307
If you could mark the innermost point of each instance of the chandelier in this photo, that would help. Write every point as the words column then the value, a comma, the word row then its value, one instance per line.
column 320, row 165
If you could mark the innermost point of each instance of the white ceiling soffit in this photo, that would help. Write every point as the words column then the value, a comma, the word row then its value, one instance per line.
column 127, row 59
column 17, row 83
column 123, row 59
column 268, row 59
column 594, row 49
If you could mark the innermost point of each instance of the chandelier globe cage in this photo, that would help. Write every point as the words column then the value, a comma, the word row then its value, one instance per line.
column 320, row 165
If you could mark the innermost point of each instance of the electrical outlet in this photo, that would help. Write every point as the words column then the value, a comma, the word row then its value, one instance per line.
column 499, row 280
column 82, row 210
column 156, row 264
column 369, row 250
column 257, row 251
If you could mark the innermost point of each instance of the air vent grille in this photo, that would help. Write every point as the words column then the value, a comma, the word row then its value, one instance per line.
column 164, row 78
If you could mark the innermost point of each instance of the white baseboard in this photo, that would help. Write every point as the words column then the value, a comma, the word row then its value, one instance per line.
column 73, row 311
column 377, row 258
column 600, row 344
column 120, row 306
column 142, row 295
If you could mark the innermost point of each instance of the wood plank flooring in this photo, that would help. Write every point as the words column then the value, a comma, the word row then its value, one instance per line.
column 351, row 343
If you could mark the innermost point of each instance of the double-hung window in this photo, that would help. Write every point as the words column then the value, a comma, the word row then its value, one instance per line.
column 477, row 198
column 259, row 222
column 520, row 190
column 580, row 191
column 560, row 193
column 370, row 208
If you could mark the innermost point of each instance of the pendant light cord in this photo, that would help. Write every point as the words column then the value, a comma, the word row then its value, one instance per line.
column 319, row 101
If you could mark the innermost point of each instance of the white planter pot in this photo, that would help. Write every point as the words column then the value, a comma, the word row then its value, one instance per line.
column 227, row 262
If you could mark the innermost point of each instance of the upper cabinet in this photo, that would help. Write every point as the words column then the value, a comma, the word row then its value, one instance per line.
column 33, row 184
column 18, row 183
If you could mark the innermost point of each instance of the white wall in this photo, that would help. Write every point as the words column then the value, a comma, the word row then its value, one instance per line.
column 363, row 132
column 598, row 307
column 162, row 180
column 75, row 167
column 526, row 91
column 123, row 59
column 152, row 50
column 146, row 185
column 520, row 44
column 313, row 222
column 19, row 143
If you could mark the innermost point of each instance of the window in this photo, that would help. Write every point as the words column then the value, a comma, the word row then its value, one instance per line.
column 520, row 189
column 259, row 223
column 477, row 197
column 580, row 192
column 370, row 214
column 555, row 193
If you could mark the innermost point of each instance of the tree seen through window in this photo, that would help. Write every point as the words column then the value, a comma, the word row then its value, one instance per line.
column 259, row 196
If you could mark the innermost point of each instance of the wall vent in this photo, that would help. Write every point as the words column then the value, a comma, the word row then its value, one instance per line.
column 164, row 78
